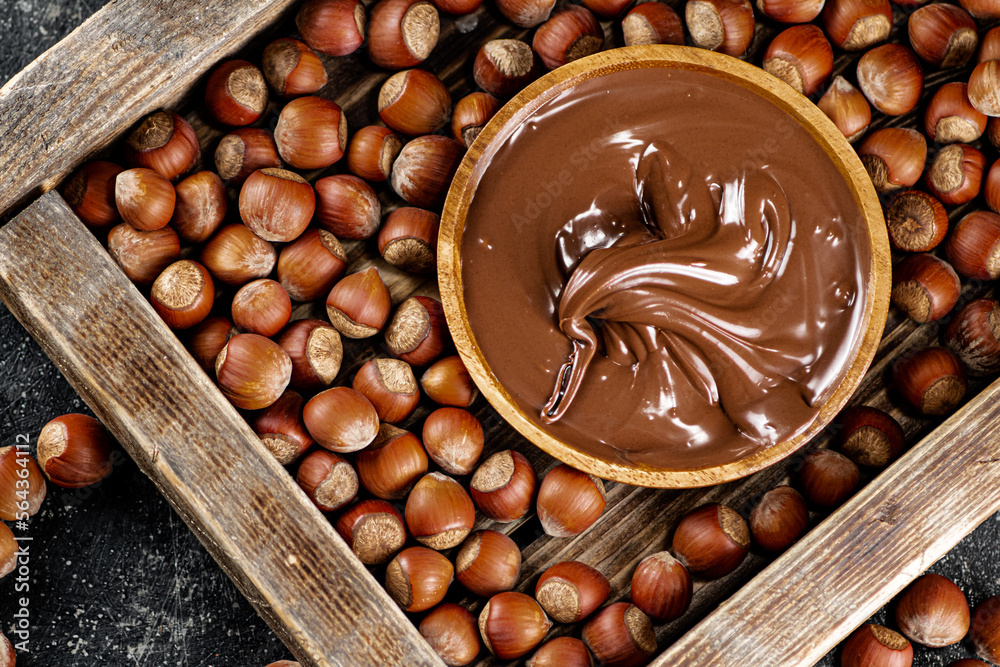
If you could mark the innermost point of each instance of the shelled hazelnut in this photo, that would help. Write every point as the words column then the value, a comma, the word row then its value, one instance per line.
column 571, row 33
column 333, row 27
column 418, row 578
column 778, row 520
column 200, row 206
column 711, row 541
column 183, row 294
column 891, row 78
column 950, row 117
column 894, row 157
column 800, row 56
column 14, row 495
column 454, row 440
column 876, row 645
column 423, row 170
column 726, row 26
column 652, row 23
column 917, row 221
column 165, row 143
column 418, row 332
column 869, row 436
column 408, row 239
column 277, row 204
column 144, row 198
column 236, row 93
column 373, row 529
column 292, row 68
column 447, row 382
column 310, row 266
column 931, row 380
column 207, row 339
column 452, row 633
column 569, row 501
column 974, row 336
column 316, row 352
column 311, row 133
column 854, row 25
column 235, row 255
column 504, row 66
column 281, row 429
column 526, row 13
column 985, row 629
column 504, row 485
column 621, row 635
column 488, row 563
column 847, row 107
column 973, row 247
column 390, row 466
column 439, row 512
column 571, row 591
column 561, row 652
column 358, row 305
column 791, row 11
column 943, row 35
column 984, row 87
column 471, row 114
column 244, row 151
column 262, row 307
column 512, row 624
column 956, row 174
column 253, row 372
column 90, row 193
column 347, row 207
column 142, row 255
column 925, row 287
column 341, row 420
column 827, row 478
column 933, row 611
column 402, row 33
column 328, row 480
column 74, row 451
column 414, row 102
column 372, row 151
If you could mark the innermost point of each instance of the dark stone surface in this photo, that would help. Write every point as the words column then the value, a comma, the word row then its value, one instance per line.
column 115, row 577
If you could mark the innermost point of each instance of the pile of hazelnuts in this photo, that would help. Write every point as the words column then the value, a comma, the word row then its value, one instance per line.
column 248, row 289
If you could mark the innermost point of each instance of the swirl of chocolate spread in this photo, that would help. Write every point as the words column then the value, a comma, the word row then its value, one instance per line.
column 678, row 285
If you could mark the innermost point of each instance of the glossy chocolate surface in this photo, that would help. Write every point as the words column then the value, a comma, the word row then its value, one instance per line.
column 662, row 267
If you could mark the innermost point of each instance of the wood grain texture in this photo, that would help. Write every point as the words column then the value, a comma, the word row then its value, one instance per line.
column 243, row 506
column 127, row 60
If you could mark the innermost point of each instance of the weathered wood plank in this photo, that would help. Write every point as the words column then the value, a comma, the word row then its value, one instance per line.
column 128, row 59
column 243, row 506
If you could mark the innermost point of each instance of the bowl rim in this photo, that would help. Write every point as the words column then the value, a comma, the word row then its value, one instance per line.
column 819, row 126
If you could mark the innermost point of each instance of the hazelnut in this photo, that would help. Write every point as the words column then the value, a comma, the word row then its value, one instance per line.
column 847, row 107
column 933, row 611
column 620, row 635
column 8, row 563
column 931, row 380
column 956, row 174
column 869, row 436
column 925, row 287
column 983, row 10
column 974, row 336
column 281, row 429
column 943, row 35
column 711, row 541
column 316, row 352
column 277, row 204
column 827, row 478
column 74, row 451
column 439, row 513
column 652, row 23
column 973, row 247
column 145, row 199
column 800, row 56
column 183, row 294
column 292, row 68
column 607, row 10
column 341, row 420
column 778, row 520
column 854, row 25
column 504, row 66
column 262, row 307
column 447, row 382
column 207, row 339
column 422, row 172
column 418, row 332
column 311, row 133
column 402, row 33
column 310, row 266
column 894, row 157
column 358, row 305
column 561, row 652
column 333, row 27
column 992, row 188
column 90, row 193
column 414, row 102
column 408, row 239
column 571, row 591
column 989, row 47
column 390, row 466
column 471, row 114
column 488, row 563
column 661, row 587
column 236, row 93
column 235, row 255
column 373, row 530
column 372, row 151
column 244, row 151
column 454, row 440
column 572, row 32
column 452, row 632
column 504, row 486
column 347, row 207
column 418, row 578
column 16, row 500
column 143, row 255
column 569, row 501
column 985, row 630
column 458, row 7
column 390, row 386
column 165, row 143
column 876, row 645
column 791, row 11
column 253, row 371
column 200, row 206
column 525, row 13
column 917, row 221
column 512, row 624
column 891, row 78
column 984, row 87
column 328, row 480
column 726, row 26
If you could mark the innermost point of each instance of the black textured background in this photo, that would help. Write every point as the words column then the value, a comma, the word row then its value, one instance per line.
column 115, row 577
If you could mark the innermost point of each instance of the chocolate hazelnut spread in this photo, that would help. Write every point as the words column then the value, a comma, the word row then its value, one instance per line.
column 662, row 267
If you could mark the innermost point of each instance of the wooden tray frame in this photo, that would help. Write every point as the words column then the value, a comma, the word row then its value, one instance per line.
column 138, row 55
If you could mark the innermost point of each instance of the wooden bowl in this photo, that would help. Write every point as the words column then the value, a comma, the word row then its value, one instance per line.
column 771, row 89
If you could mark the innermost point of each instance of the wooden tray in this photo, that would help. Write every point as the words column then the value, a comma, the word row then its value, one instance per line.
column 138, row 55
